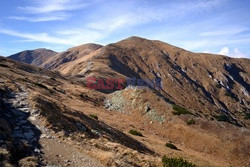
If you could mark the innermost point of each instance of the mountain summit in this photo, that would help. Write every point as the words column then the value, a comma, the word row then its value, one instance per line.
column 34, row 57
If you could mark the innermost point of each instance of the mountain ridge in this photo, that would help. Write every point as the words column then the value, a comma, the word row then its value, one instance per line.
column 35, row 57
column 216, row 81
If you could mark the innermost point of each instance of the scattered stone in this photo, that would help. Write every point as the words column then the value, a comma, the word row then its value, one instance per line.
column 34, row 112
column 43, row 136
column 49, row 137
column 67, row 161
column 59, row 155
column 26, row 110
column 37, row 150
column 32, row 118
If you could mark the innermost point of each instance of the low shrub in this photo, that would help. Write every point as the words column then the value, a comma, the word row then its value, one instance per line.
column 170, row 145
column 229, row 94
column 178, row 110
column 247, row 116
column 93, row 116
column 136, row 133
column 222, row 118
column 40, row 85
column 190, row 122
column 218, row 85
column 176, row 162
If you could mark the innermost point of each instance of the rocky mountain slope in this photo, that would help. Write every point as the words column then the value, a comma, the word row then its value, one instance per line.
column 39, row 127
column 34, row 57
column 205, row 84
column 202, row 108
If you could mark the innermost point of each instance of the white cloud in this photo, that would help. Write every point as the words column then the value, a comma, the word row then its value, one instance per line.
column 236, row 53
column 49, row 10
column 81, row 35
column 224, row 51
column 50, row 6
column 109, row 25
column 104, row 23
column 68, row 37
column 39, row 37
column 38, row 19
column 112, row 21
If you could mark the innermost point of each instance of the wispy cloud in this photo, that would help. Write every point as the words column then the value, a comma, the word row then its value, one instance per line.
column 125, row 18
column 146, row 14
column 39, row 19
column 98, row 27
column 49, row 10
column 80, row 35
column 38, row 37
column 69, row 37
column 50, row 6
column 174, row 22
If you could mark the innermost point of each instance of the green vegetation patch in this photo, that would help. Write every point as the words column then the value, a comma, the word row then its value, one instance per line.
column 190, row 122
column 176, row 162
column 222, row 118
column 247, row 116
column 93, row 116
column 136, row 133
column 178, row 110
column 170, row 145
column 229, row 94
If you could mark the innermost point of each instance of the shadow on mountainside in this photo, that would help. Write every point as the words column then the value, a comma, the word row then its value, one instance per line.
column 234, row 71
column 17, row 134
column 63, row 119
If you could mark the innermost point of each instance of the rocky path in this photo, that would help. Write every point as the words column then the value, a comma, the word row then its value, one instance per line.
column 29, row 132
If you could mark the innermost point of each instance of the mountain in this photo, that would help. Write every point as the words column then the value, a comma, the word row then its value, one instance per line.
column 202, row 83
column 35, row 57
column 71, row 54
column 201, row 113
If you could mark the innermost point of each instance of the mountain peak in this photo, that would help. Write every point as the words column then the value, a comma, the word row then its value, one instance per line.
column 135, row 39
column 89, row 46
column 34, row 57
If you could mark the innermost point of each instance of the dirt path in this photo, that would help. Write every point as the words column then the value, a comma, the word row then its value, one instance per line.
column 42, row 142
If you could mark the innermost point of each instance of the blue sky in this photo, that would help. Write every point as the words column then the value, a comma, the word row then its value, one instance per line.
column 214, row 26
